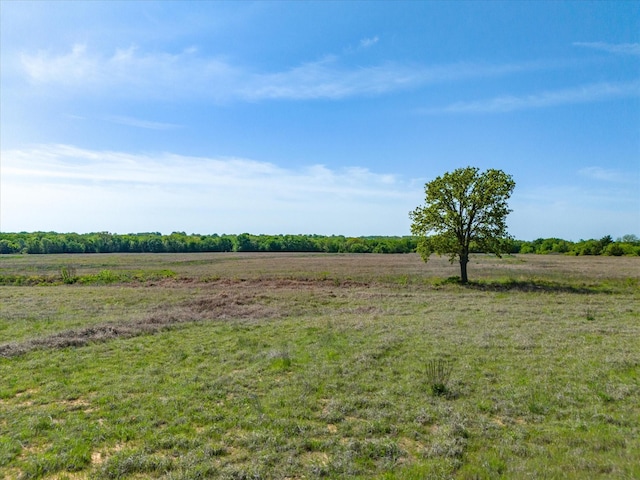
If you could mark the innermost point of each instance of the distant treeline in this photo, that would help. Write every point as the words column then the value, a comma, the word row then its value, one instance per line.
column 180, row 242
column 626, row 245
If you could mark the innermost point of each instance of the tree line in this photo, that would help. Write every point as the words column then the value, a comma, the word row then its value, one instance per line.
column 625, row 245
column 180, row 242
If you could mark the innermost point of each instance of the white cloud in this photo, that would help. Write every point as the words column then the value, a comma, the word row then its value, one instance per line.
column 76, row 64
column 71, row 165
column 130, row 72
column 328, row 79
column 62, row 187
column 368, row 42
column 140, row 123
column 607, row 175
column 66, row 188
column 508, row 103
column 617, row 48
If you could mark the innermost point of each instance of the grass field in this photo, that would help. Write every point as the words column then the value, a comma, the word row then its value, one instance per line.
column 249, row 366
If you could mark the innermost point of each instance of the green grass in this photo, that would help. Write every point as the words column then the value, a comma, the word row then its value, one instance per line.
column 291, row 374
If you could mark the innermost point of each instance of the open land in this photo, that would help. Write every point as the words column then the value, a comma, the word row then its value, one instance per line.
column 230, row 365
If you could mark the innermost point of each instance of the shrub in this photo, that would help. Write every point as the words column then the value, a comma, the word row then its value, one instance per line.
column 68, row 274
column 618, row 249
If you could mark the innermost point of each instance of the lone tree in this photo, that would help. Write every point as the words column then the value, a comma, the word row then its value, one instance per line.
column 462, row 207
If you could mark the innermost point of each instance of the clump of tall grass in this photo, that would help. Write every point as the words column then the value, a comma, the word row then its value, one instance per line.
column 280, row 359
column 69, row 274
column 438, row 372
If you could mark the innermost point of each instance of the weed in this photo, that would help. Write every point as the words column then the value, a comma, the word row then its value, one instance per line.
column 450, row 441
column 69, row 274
column 280, row 359
column 438, row 371
column 125, row 464
column 538, row 402
column 447, row 281
column 104, row 277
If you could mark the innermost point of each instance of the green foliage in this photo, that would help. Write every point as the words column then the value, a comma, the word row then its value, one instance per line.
column 180, row 242
column 69, row 274
column 462, row 207
column 438, row 372
column 105, row 277
column 125, row 464
column 626, row 245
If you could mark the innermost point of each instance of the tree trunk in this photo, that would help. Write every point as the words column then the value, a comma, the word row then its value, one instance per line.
column 464, row 259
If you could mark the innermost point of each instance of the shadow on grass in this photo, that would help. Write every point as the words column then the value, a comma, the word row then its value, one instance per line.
column 531, row 285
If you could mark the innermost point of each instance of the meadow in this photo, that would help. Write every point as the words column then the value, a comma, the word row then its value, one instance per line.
column 291, row 366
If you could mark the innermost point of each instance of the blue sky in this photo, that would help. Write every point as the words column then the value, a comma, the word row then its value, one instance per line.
column 315, row 117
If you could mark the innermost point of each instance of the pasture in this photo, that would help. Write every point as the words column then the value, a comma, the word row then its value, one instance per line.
column 261, row 366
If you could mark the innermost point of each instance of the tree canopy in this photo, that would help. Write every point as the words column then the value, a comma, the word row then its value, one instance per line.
column 464, row 207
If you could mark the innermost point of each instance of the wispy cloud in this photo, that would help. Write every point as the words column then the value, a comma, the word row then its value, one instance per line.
column 129, row 72
column 608, row 175
column 140, row 123
column 328, row 78
column 617, row 48
column 368, row 42
column 508, row 103
column 199, row 193
column 95, row 190
column 188, row 75
column 70, row 164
